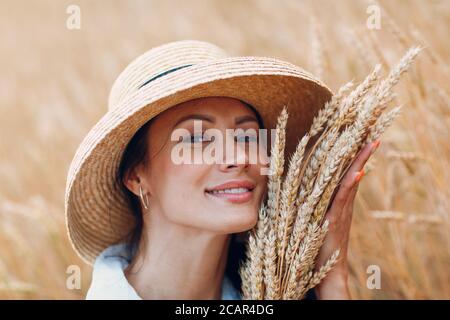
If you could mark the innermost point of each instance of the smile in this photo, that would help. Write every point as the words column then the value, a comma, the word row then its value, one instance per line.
column 235, row 195
column 232, row 190
column 237, row 191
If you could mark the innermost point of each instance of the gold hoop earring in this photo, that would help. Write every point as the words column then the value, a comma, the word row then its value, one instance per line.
column 144, row 201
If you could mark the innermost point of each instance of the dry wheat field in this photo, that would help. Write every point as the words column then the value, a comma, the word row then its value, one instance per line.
column 54, row 85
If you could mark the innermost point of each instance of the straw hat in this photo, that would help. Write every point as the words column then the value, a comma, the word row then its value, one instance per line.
column 97, row 213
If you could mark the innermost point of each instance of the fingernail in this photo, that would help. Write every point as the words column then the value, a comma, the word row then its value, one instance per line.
column 359, row 175
column 375, row 145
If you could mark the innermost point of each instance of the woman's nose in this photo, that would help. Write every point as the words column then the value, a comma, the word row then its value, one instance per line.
column 235, row 154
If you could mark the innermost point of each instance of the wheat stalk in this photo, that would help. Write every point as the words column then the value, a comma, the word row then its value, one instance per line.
column 291, row 229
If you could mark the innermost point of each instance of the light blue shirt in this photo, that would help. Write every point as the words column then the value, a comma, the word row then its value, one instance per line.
column 109, row 281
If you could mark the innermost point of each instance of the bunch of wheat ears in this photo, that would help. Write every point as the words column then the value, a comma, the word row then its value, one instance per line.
column 291, row 228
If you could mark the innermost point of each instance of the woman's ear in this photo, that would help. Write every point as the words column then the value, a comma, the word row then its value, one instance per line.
column 134, row 178
column 131, row 181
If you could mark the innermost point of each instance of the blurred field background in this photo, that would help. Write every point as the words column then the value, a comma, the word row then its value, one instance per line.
column 54, row 85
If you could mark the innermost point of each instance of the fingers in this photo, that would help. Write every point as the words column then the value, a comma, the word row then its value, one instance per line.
column 356, row 170
column 347, row 210
column 354, row 175
column 352, row 195
column 363, row 156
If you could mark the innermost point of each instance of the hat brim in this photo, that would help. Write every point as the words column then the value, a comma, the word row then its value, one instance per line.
column 97, row 213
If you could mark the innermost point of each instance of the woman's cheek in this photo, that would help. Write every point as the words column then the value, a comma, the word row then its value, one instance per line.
column 185, row 180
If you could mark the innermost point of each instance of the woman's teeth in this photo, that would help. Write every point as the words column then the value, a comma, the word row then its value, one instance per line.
column 233, row 190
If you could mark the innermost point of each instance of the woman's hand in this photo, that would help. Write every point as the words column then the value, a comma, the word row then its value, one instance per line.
column 334, row 285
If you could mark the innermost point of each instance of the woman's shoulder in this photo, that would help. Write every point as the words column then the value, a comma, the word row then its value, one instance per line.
column 108, row 278
column 109, row 281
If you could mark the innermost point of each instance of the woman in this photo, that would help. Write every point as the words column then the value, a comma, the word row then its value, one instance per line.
column 156, row 228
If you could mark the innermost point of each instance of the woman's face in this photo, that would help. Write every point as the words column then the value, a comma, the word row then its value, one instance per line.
column 193, row 194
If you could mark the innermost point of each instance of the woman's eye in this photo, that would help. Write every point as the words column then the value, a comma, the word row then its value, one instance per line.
column 246, row 138
column 198, row 138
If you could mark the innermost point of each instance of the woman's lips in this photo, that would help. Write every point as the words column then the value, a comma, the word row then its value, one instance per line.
column 241, row 197
column 235, row 191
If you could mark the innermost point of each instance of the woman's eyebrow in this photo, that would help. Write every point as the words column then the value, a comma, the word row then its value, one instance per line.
column 194, row 117
column 245, row 118
column 238, row 120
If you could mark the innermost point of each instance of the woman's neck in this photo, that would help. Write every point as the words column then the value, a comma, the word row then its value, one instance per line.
column 177, row 262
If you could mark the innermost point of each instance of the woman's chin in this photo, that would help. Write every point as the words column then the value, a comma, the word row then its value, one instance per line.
column 243, row 223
